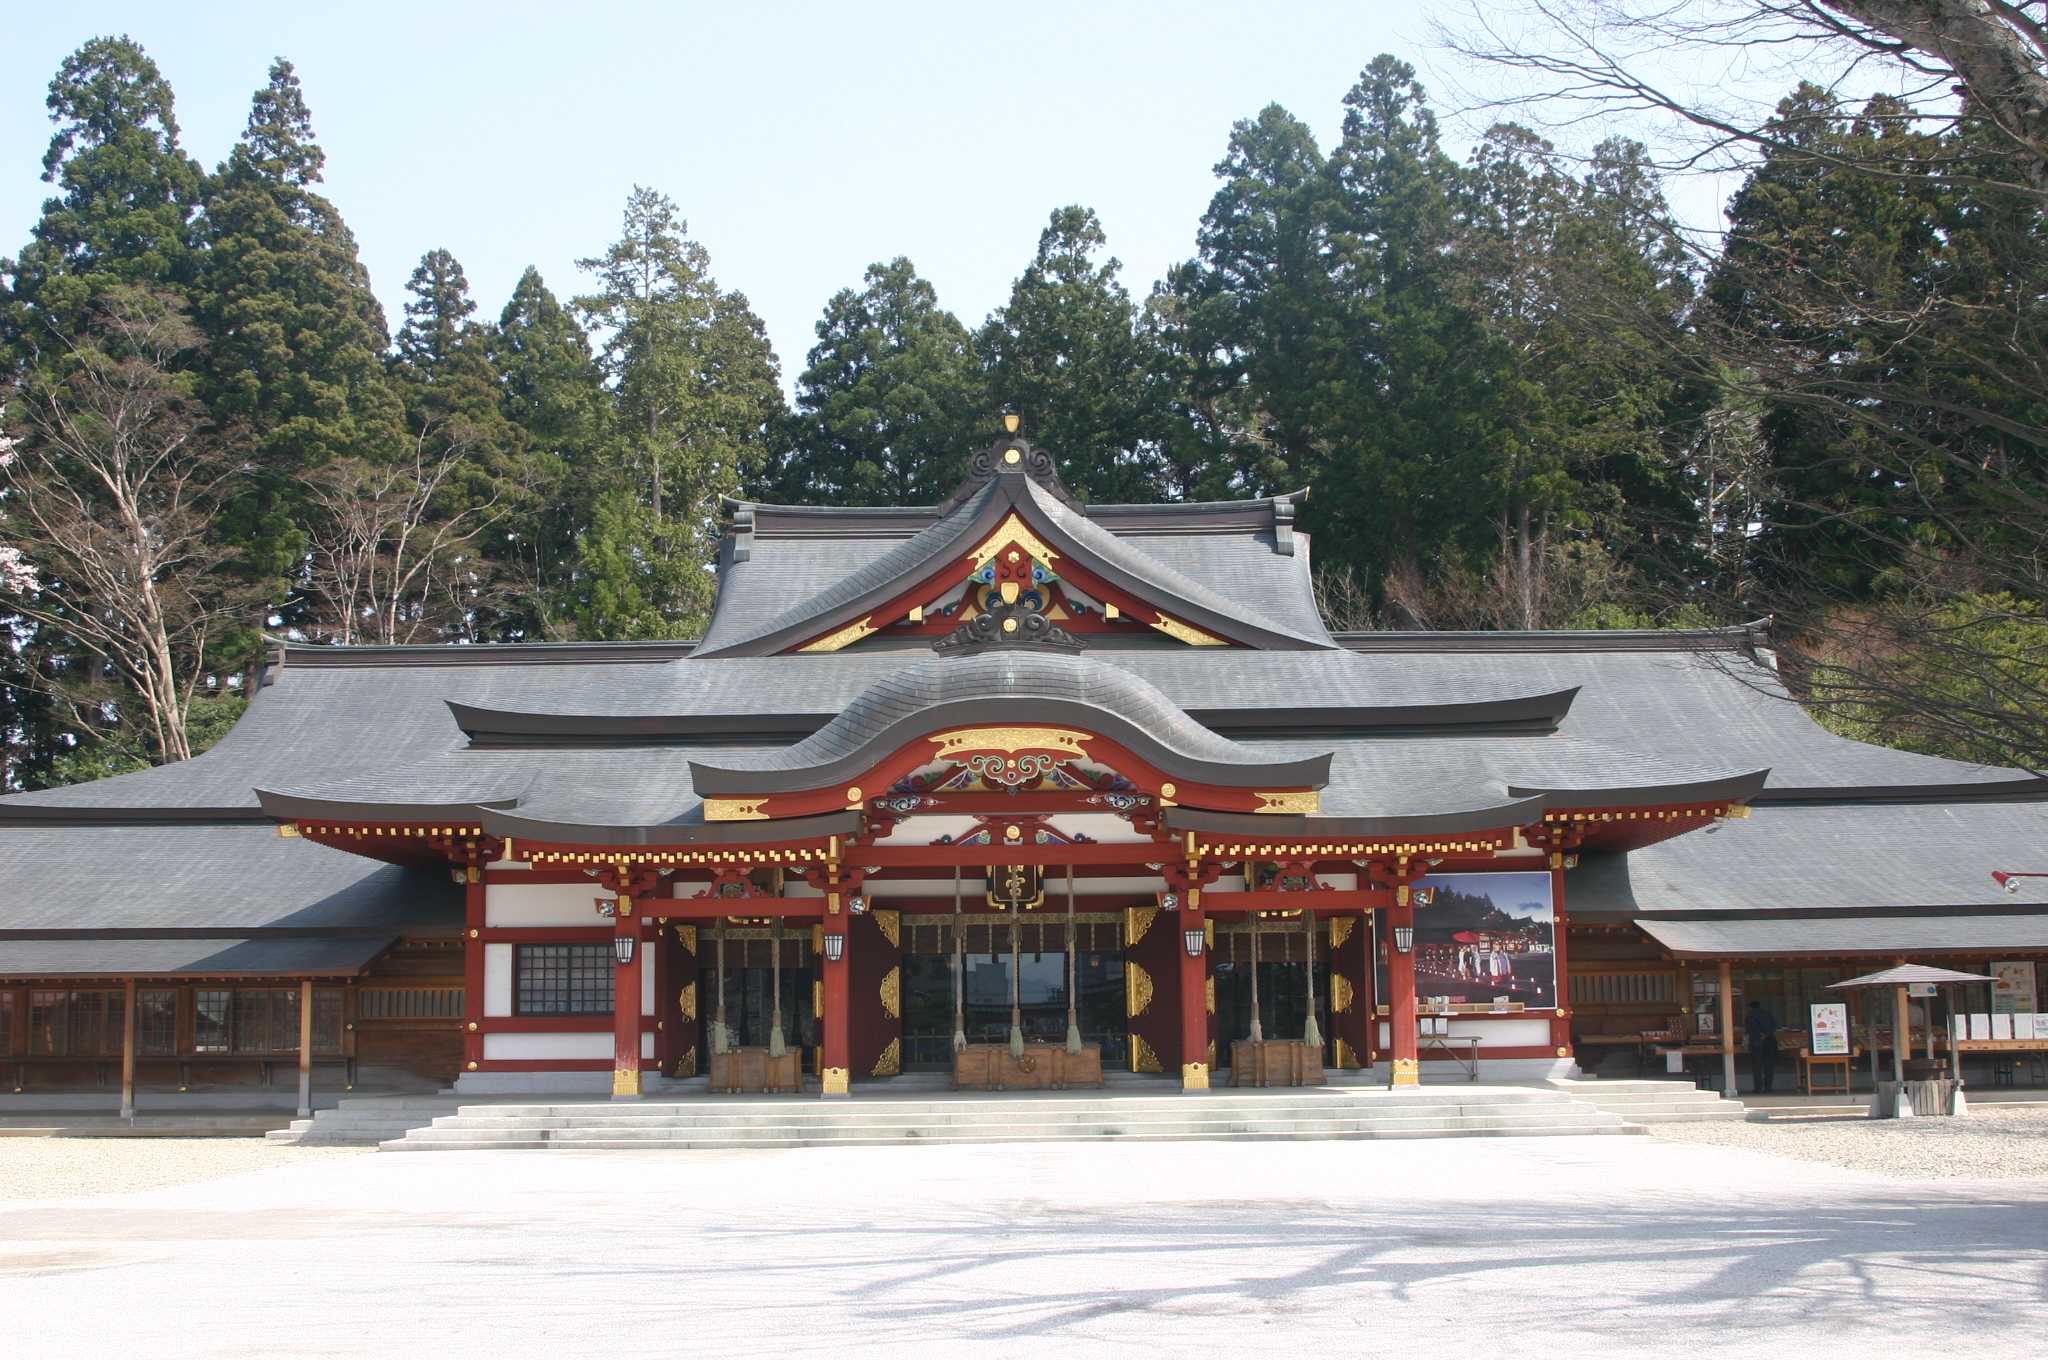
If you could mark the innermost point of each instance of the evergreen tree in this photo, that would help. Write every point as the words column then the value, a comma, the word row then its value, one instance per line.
column 1068, row 354
column 128, row 192
column 892, row 402
column 295, row 337
column 694, row 392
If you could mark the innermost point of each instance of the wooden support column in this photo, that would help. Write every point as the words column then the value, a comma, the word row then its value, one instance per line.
column 1902, row 1037
column 1728, row 1029
column 128, row 1053
column 473, row 976
column 1404, row 1067
column 1561, row 1020
column 626, row 990
column 835, row 1042
column 306, row 1049
column 1194, row 997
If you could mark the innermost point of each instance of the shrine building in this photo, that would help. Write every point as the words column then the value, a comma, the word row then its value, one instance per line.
column 1008, row 787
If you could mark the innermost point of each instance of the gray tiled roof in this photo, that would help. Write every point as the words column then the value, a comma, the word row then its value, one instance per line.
column 222, row 878
column 187, row 957
column 1850, row 934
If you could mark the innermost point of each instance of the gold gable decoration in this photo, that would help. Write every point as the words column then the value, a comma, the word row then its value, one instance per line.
column 1340, row 930
column 1137, row 920
column 734, row 810
column 1137, row 993
column 1209, row 997
column 1305, row 804
column 845, row 637
column 892, row 993
column 891, row 1062
column 1341, row 993
column 686, row 1001
column 890, row 923
column 687, row 937
column 817, row 1000
column 1010, row 740
column 1012, row 530
column 1181, row 632
column 1143, row 1059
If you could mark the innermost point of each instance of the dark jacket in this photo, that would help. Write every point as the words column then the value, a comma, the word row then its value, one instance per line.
column 1763, row 1029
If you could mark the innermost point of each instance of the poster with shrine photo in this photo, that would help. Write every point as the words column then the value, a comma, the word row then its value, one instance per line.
column 1485, row 939
column 2013, row 993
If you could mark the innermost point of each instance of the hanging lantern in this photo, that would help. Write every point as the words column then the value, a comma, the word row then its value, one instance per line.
column 835, row 946
column 1193, row 940
column 623, row 945
column 1404, row 938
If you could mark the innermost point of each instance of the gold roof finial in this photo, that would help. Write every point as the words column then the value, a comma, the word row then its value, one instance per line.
column 1011, row 421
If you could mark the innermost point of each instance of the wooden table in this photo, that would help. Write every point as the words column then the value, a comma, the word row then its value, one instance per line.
column 1443, row 1042
column 751, row 1071
column 1275, row 1062
column 2010, row 1048
column 1808, row 1060
column 1044, row 1067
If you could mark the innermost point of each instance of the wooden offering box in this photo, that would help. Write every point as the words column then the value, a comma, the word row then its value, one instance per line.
column 1044, row 1067
column 751, row 1070
column 1275, row 1062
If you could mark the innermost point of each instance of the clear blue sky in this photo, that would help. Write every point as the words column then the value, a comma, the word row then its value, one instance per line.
column 802, row 141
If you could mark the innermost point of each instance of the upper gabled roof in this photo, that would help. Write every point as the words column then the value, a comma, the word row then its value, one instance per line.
column 776, row 596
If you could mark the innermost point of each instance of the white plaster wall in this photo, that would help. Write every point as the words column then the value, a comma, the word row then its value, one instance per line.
column 535, row 1047
column 647, row 983
column 526, row 905
column 1514, row 1031
column 497, row 979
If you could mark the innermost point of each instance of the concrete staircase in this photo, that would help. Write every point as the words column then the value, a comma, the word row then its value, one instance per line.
column 1069, row 1117
column 1654, row 1102
column 361, row 1120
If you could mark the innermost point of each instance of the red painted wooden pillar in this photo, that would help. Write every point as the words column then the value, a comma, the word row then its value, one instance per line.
column 626, row 1003
column 1561, row 1021
column 1404, row 1068
column 1194, row 1000
column 472, row 976
column 835, row 1047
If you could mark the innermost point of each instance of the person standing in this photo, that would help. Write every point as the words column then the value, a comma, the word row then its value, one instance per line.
column 1763, row 1047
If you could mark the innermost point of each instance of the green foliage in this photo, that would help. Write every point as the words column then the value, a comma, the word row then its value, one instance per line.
column 892, row 402
column 1067, row 354
column 639, row 577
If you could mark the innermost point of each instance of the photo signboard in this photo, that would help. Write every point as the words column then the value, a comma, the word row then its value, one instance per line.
column 1830, row 1027
column 2013, row 993
column 1484, row 939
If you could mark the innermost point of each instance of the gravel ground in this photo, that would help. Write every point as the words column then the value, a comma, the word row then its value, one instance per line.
column 60, row 1168
column 1984, row 1145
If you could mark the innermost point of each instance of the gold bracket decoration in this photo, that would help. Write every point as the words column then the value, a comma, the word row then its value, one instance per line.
column 817, row 1000
column 686, row 1066
column 1305, row 804
column 1209, row 991
column 1137, row 992
column 734, row 810
column 686, row 1001
column 1212, row 1055
column 1194, row 1076
column 1012, row 530
column 1347, row 1056
column 1340, row 930
column 817, row 939
column 891, row 1062
column 288, row 830
column 1143, row 1059
column 892, row 993
column 833, row 1081
column 845, row 637
column 1010, row 740
column 890, row 923
column 1341, row 993
column 687, row 937
column 1137, row 920
column 1180, row 632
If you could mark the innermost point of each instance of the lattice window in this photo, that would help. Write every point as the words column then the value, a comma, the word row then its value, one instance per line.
column 156, row 1022
column 564, row 979
column 66, row 1024
column 1596, row 988
column 210, row 1012
column 6, row 1022
column 409, row 1003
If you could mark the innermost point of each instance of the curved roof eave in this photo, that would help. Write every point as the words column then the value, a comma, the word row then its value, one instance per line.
column 745, row 781
column 1498, row 817
column 510, row 826
column 1744, row 785
column 294, row 807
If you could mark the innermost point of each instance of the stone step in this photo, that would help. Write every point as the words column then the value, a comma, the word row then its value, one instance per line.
column 1654, row 1102
column 701, row 1144
column 571, row 1130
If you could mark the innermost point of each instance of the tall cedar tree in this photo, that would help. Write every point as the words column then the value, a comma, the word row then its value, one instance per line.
column 124, row 214
column 550, row 387
column 892, row 402
column 1067, row 353
column 695, row 391
column 295, row 336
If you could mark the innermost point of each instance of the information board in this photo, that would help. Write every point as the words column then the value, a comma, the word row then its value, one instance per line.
column 1830, row 1027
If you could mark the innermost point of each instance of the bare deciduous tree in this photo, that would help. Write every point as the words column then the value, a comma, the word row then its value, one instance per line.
column 111, row 487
